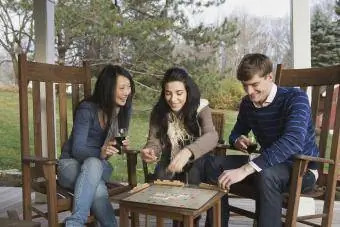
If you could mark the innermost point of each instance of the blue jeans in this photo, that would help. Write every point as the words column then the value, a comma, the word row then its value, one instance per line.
column 268, row 185
column 90, row 192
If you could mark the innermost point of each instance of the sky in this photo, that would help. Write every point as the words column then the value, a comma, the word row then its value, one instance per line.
column 262, row 8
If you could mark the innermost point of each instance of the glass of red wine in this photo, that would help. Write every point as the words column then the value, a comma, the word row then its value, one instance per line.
column 252, row 146
column 119, row 138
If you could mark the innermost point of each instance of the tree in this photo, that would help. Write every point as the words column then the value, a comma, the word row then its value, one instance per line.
column 145, row 36
column 337, row 7
column 325, row 42
column 270, row 37
column 16, row 33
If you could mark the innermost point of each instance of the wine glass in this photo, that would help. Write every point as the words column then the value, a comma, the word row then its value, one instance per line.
column 158, row 155
column 252, row 146
column 119, row 138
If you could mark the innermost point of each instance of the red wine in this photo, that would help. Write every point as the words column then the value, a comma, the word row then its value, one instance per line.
column 119, row 143
column 252, row 148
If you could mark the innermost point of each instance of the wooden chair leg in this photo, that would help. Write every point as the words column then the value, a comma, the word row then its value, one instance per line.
column 294, row 193
column 49, row 170
column 330, row 197
column 26, row 192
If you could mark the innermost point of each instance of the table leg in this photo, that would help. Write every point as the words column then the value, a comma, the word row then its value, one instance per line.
column 188, row 221
column 217, row 214
column 147, row 223
column 160, row 222
column 134, row 219
column 123, row 216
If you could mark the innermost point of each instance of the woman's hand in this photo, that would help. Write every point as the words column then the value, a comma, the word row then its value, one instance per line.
column 148, row 155
column 108, row 150
column 126, row 143
column 177, row 164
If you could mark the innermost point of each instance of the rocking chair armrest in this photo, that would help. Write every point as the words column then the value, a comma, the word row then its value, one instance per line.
column 224, row 146
column 313, row 159
column 39, row 160
column 131, row 151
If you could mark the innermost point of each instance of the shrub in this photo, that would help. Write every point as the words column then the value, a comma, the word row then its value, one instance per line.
column 224, row 94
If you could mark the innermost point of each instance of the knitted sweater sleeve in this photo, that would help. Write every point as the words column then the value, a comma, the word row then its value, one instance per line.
column 153, row 140
column 241, row 127
column 209, row 137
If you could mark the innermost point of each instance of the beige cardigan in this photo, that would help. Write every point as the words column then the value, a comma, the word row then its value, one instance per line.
column 206, row 142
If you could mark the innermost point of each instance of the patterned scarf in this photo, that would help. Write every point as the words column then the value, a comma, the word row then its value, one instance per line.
column 177, row 134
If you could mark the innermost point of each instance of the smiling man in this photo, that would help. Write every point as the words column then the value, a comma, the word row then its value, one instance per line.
column 280, row 119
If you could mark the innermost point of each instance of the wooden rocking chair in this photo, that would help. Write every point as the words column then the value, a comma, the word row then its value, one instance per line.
column 327, row 78
column 39, row 169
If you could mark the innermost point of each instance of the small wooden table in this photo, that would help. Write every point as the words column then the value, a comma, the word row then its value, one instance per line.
column 174, row 202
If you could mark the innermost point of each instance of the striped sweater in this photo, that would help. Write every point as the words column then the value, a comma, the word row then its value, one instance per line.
column 283, row 128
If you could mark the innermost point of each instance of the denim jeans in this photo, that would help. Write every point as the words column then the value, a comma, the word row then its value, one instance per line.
column 90, row 192
column 268, row 185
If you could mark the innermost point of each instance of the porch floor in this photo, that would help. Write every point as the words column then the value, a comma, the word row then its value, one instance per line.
column 11, row 199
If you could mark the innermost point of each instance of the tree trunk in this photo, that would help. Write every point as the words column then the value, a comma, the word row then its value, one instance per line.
column 15, row 67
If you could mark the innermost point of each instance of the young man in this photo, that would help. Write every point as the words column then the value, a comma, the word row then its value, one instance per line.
column 280, row 119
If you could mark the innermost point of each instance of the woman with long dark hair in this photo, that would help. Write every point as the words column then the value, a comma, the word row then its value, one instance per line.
column 181, row 130
column 83, row 164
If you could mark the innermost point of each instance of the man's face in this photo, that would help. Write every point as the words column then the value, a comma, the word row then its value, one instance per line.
column 258, row 88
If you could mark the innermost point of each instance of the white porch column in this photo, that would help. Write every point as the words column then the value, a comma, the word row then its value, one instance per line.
column 301, row 42
column 301, row 35
column 300, row 31
column 43, row 14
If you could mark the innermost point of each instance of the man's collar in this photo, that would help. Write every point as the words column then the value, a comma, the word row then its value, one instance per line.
column 270, row 97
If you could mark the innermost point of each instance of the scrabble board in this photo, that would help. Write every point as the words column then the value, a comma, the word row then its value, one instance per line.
column 171, row 195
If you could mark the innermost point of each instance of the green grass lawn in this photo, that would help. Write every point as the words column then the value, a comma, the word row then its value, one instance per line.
column 10, row 134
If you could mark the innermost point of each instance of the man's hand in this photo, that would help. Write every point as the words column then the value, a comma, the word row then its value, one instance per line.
column 177, row 164
column 232, row 176
column 242, row 143
column 148, row 155
column 108, row 150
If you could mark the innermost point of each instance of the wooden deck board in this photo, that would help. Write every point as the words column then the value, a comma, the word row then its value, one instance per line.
column 11, row 197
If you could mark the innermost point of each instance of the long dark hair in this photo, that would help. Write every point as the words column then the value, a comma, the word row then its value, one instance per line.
column 104, row 94
column 189, row 110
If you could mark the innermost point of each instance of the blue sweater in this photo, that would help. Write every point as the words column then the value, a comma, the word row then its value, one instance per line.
column 87, row 136
column 283, row 128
